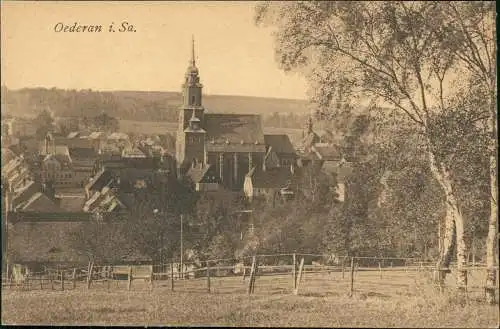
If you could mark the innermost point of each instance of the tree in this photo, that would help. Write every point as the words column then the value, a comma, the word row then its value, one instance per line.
column 44, row 122
column 101, row 241
column 468, row 33
column 387, row 52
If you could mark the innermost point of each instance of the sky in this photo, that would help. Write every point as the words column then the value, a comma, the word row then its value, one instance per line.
column 234, row 56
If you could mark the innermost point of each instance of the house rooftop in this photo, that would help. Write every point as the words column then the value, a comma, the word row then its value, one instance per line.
column 83, row 152
column 327, row 152
column 281, row 143
column 272, row 178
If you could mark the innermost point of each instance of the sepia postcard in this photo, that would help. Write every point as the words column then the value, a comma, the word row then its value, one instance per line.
column 249, row 164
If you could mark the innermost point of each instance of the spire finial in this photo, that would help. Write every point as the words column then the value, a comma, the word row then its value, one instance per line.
column 193, row 62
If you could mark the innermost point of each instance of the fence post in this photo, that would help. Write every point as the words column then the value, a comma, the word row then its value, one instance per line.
column 108, row 278
column 172, row 276
column 343, row 266
column 299, row 276
column 151, row 280
column 294, row 271
column 74, row 278
column 129, row 283
column 208, row 276
column 51, row 278
column 255, row 275
column 252, row 275
column 89, row 274
column 62, row 280
column 380, row 269
column 352, row 278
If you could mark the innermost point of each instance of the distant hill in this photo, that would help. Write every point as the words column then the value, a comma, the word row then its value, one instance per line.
column 226, row 103
column 135, row 105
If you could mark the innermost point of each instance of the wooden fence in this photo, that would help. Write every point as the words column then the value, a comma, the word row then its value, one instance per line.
column 306, row 274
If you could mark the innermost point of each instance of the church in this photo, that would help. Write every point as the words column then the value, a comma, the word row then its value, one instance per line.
column 216, row 149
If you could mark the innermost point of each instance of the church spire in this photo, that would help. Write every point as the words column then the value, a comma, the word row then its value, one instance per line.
column 193, row 61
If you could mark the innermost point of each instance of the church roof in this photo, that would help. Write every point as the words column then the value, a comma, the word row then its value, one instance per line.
column 58, row 149
column 281, row 144
column 273, row 178
column 234, row 132
column 82, row 152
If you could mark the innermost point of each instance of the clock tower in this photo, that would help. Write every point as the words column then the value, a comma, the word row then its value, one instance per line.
column 190, row 145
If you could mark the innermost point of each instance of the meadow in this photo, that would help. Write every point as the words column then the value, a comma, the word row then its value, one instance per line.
column 395, row 299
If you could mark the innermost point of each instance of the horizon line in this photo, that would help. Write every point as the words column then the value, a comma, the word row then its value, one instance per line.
column 150, row 91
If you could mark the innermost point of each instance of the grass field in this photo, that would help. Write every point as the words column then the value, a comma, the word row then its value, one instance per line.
column 397, row 299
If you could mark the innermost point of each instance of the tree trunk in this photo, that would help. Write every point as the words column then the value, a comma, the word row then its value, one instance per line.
column 491, row 240
column 447, row 245
column 454, row 227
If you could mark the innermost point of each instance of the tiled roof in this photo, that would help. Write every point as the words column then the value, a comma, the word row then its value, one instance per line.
column 25, row 193
column 17, row 149
column 280, row 144
column 271, row 159
column 236, row 129
column 80, row 143
column 101, row 179
column 9, row 166
column 59, row 149
column 82, row 152
column 96, row 135
column 73, row 134
column 327, row 152
column 118, row 135
column 273, row 178
column 39, row 202
column 63, row 159
column 135, row 153
column 307, row 155
column 260, row 148
column 71, row 204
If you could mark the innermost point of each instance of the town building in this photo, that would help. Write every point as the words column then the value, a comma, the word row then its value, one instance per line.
column 322, row 161
column 15, row 171
column 221, row 148
column 19, row 127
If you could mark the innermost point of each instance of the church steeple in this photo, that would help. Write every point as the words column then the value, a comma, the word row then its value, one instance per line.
column 190, row 141
column 192, row 86
column 193, row 60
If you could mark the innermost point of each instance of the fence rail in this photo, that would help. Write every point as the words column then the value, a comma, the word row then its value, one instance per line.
column 280, row 273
